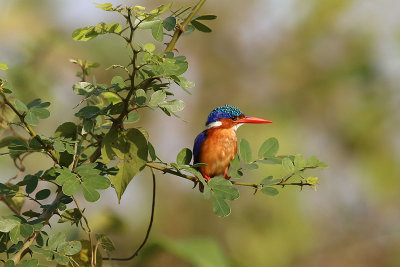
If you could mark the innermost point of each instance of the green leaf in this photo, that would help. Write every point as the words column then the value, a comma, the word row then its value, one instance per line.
column 200, row 26
column 105, row 6
column 251, row 166
column 71, row 215
column 67, row 130
column 31, row 184
column 189, row 29
column 271, row 160
column 59, row 146
column 37, row 103
column 220, row 207
column 133, row 161
column 157, row 31
column 271, row 191
column 157, row 97
column 206, row 17
column 169, row 23
column 119, row 81
column 15, row 233
column 105, row 242
column 184, row 157
column 152, row 151
column 83, row 88
column 72, row 248
column 41, row 113
column 88, row 112
column 140, row 97
column 31, row 118
column 132, row 117
column 233, row 173
column 90, row 193
column 70, row 187
column 17, row 147
column 7, row 224
column 3, row 66
column 149, row 24
column 223, row 188
column 8, row 190
column 56, row 239
column 88, row 125
column 113, row 28
column 7, row 140
column 184, row 83
column 269, row 181
column 7, row 87
column 111, row 98
column 149, row 47
column 161, row 9
column 96, row 181
column 288, row 165
column 269, row 148
column 174, row 105
column 65, row 175
column 299, row 162
column 313, row 162
column 88, row 33
column 42, row 194
column 21, row 107
column 245, row 150
column 235, row 163
column 26, row 230
column 113, row 144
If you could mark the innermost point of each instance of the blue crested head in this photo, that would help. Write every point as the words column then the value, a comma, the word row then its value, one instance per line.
column 224, row 112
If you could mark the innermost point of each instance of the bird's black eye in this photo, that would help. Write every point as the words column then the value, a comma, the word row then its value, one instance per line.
column 234, row 118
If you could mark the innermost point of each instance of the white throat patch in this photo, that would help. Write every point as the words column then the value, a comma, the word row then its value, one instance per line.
column 237, row 126
column 214, row 124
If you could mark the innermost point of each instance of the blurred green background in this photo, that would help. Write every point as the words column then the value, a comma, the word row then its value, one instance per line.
column 324, row 71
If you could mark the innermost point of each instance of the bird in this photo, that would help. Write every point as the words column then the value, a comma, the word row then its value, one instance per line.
column 217, row 145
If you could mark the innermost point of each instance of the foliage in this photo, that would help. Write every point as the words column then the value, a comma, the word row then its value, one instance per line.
column 104, row 148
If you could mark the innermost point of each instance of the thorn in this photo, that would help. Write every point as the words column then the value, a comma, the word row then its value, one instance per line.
column 195, row 184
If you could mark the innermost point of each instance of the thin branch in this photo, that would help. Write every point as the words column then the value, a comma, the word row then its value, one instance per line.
column 180, row 29
column 136, row 253
column 196, row 180
column 87, row 230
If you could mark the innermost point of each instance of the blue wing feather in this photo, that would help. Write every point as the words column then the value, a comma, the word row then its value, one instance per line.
column 197, row 144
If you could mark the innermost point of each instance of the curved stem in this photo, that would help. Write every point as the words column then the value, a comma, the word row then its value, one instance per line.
column 88, row 231
column 136, row 253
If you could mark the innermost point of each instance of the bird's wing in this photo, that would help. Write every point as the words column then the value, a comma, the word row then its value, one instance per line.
column 197, row 144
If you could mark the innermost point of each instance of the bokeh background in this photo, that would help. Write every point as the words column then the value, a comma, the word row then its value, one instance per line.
column 325, row 71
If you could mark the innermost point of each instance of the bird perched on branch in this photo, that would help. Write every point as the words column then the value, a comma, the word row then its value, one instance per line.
column 217, row 145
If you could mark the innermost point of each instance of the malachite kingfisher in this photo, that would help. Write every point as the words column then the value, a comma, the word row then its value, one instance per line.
column 217, row 145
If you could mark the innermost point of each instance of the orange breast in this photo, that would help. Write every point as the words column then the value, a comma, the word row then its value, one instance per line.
column 217, row 151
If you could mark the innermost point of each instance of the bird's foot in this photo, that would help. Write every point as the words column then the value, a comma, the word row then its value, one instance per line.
column 227, row 177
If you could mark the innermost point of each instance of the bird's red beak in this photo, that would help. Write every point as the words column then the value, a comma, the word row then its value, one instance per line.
column 252, row 120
